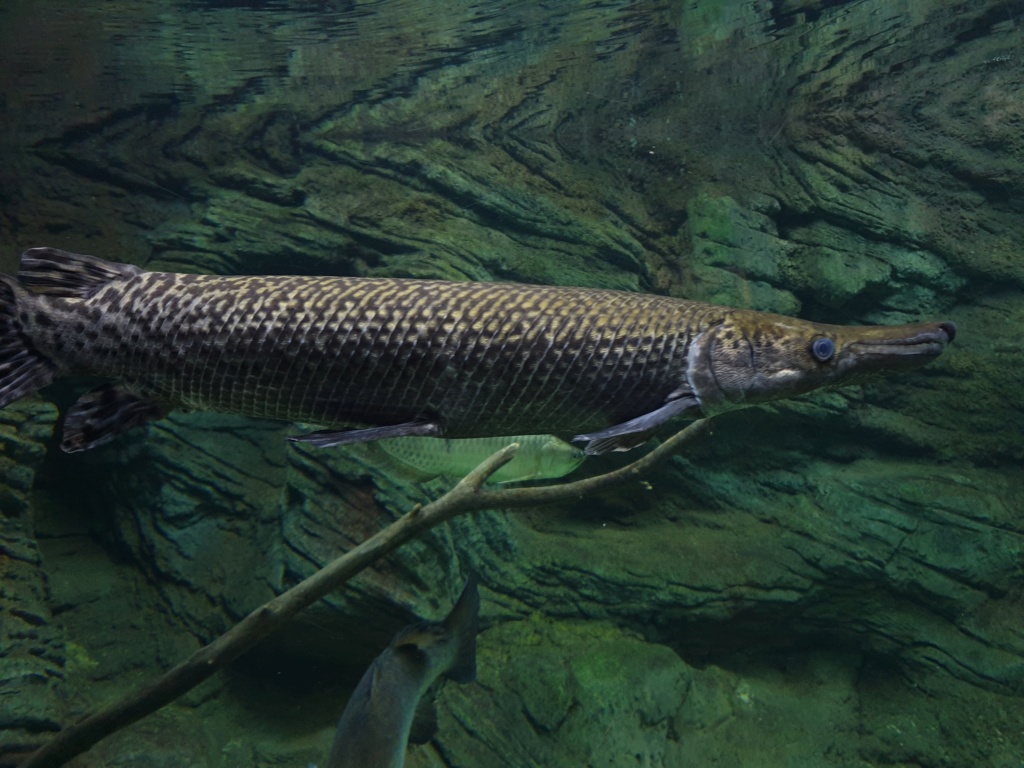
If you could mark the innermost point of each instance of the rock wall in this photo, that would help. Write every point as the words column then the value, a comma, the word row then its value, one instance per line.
column 32, row 649
column 832, row 581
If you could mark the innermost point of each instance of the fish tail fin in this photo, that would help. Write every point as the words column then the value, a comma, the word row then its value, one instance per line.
column 463, row 623
column 23, row 369
column 55, row 272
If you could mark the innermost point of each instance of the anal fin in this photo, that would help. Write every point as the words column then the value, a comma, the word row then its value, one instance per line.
column 328, row 438
column 100, row 415
column 629, row 434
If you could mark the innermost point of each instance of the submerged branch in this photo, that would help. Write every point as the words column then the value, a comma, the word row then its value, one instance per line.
column 468, row 495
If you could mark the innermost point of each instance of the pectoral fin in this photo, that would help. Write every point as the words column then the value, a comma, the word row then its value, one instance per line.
column 327, row 438
column 629, row 434
column 99, row 416
column 424, row 721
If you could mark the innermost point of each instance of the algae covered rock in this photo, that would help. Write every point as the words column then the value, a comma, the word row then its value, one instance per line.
column 738, row 256
column 32, row 647
column 565, row 694
column 832, row 581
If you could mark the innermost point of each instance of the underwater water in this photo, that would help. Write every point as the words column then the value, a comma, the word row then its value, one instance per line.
column 835, row 579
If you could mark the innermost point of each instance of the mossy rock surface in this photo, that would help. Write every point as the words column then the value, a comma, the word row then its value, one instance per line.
column 832, row 581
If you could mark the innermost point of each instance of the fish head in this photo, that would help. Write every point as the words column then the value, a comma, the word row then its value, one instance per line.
column 429, row 649
column 752, row 357
column 558, row 458
column 423, row 646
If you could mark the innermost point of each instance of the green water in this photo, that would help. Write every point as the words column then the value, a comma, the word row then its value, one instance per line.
column 836, row 580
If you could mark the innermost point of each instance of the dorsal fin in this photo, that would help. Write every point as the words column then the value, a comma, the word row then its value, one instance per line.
column 72, row 275
column 463, row 622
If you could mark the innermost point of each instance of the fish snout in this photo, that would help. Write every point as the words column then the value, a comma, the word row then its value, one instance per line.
column 883, row 348
column 924, row 333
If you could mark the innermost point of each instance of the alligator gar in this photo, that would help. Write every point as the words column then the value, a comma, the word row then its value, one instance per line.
column 372, row 358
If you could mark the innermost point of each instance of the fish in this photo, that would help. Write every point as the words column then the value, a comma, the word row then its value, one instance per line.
column 540, row 457
column 369, row 358
column 376, row 723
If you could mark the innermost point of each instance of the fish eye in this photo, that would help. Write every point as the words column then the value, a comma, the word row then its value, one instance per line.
column 823, row 348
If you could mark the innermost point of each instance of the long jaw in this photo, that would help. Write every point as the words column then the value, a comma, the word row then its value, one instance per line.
column 870, row 350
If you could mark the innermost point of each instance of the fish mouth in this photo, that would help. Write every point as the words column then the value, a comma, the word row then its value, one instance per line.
column 902, row 346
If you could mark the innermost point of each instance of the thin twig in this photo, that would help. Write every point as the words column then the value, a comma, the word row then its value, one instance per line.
column 467, row 496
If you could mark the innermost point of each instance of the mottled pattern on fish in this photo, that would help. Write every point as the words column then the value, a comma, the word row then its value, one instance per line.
column 486, row 358
column 413, row 357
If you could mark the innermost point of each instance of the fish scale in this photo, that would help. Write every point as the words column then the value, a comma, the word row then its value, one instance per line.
column 392, row 357
column 272, row 365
